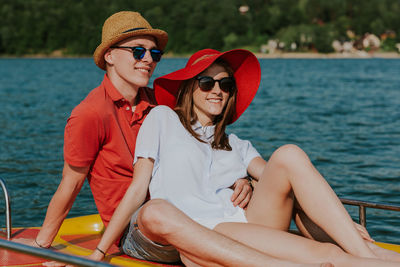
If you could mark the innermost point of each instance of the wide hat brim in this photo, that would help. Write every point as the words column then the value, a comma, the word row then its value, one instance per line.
column 160, row 36
column 245, row 65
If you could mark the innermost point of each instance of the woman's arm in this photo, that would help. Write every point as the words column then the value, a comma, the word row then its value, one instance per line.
column 256, row 168
column 134, row 197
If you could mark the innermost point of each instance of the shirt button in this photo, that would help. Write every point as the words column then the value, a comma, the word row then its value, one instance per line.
column 127, row 108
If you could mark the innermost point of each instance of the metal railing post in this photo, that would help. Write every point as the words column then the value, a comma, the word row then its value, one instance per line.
column 362, row 216
column 363, row 205
column 8, row 208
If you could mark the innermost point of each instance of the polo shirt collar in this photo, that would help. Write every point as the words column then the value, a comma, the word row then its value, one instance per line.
column 205, row 132
column 114, row 94
column 143, row 102
column 143, row 105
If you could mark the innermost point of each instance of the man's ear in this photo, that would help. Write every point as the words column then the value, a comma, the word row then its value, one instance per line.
column 108, row 58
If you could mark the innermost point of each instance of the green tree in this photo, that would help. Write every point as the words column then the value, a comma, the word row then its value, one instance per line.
column 74, row 27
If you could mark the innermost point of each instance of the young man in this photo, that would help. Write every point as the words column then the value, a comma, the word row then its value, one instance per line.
column 100, row 135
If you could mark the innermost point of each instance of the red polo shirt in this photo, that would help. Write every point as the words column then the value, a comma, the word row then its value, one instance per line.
column 101, row 132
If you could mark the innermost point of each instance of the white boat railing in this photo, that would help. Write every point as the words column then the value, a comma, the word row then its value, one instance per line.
column 8, row 208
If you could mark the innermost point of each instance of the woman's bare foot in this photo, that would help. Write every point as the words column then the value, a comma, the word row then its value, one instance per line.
column 289, row 264
column 316, row 265
column 384, row 254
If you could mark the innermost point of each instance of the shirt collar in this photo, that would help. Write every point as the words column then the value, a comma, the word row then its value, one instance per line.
column 144, row 104
column 205, row 132
column 114, row 94
column 143, row 101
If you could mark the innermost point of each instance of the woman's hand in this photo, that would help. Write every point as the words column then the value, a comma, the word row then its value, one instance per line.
column 96, row 255
column 242, row 192
column 55, row 264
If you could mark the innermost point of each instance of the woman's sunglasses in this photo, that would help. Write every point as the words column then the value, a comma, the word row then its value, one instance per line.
column 139, row 52
column 206, row 83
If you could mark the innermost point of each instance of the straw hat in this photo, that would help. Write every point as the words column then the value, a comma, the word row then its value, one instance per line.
column 246, row 68
column 121, row 26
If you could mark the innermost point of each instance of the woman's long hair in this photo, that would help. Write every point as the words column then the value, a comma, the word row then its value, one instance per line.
column 187, row 116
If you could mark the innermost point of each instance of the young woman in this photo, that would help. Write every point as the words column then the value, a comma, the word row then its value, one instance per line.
column 184, row 156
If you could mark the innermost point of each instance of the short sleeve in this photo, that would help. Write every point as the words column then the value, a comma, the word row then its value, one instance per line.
column 82, row 137
column 148, row 139
column 245, row 149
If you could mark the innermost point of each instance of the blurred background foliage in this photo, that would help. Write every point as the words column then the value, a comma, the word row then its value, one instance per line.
column 74, row 27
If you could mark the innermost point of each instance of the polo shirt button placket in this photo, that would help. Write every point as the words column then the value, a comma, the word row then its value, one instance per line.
column 127, row 109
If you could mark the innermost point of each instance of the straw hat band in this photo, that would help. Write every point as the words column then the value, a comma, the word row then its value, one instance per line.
column 134, row 29
column 120, row 32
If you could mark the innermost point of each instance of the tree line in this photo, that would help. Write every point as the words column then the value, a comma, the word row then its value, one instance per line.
column 74, row 27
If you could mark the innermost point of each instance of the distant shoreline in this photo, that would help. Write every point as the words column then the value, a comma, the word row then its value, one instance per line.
column 283, row 55
column 310, row 55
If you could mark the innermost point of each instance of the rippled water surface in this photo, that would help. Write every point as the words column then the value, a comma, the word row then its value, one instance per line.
column 344, row 113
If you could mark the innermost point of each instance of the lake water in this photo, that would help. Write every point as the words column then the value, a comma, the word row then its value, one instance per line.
column 344, row 113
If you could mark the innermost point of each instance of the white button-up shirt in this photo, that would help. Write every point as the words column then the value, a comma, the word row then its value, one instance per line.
column 190, row 174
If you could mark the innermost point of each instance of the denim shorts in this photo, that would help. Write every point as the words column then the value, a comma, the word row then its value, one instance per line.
column 137, row 245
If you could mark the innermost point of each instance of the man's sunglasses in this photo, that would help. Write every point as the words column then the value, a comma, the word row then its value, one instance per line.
column 206, row 83
column 139, row 52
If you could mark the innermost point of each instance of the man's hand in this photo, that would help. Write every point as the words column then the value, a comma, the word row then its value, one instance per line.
column 33, row 243
column 242, row 192
column 28, row 242
column 25, row 241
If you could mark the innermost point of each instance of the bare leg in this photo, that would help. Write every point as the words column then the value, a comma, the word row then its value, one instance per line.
column 312, row 231
column 164, row 223
column 288, row 246
column 289, row 171
column 308, row 228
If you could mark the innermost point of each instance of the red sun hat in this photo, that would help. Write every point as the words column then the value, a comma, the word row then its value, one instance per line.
column 245, row 66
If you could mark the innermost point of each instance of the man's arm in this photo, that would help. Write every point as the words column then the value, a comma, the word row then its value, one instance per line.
column 61, row 203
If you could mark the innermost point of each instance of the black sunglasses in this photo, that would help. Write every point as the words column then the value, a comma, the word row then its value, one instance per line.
column 139, row 52
column 206, row 83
